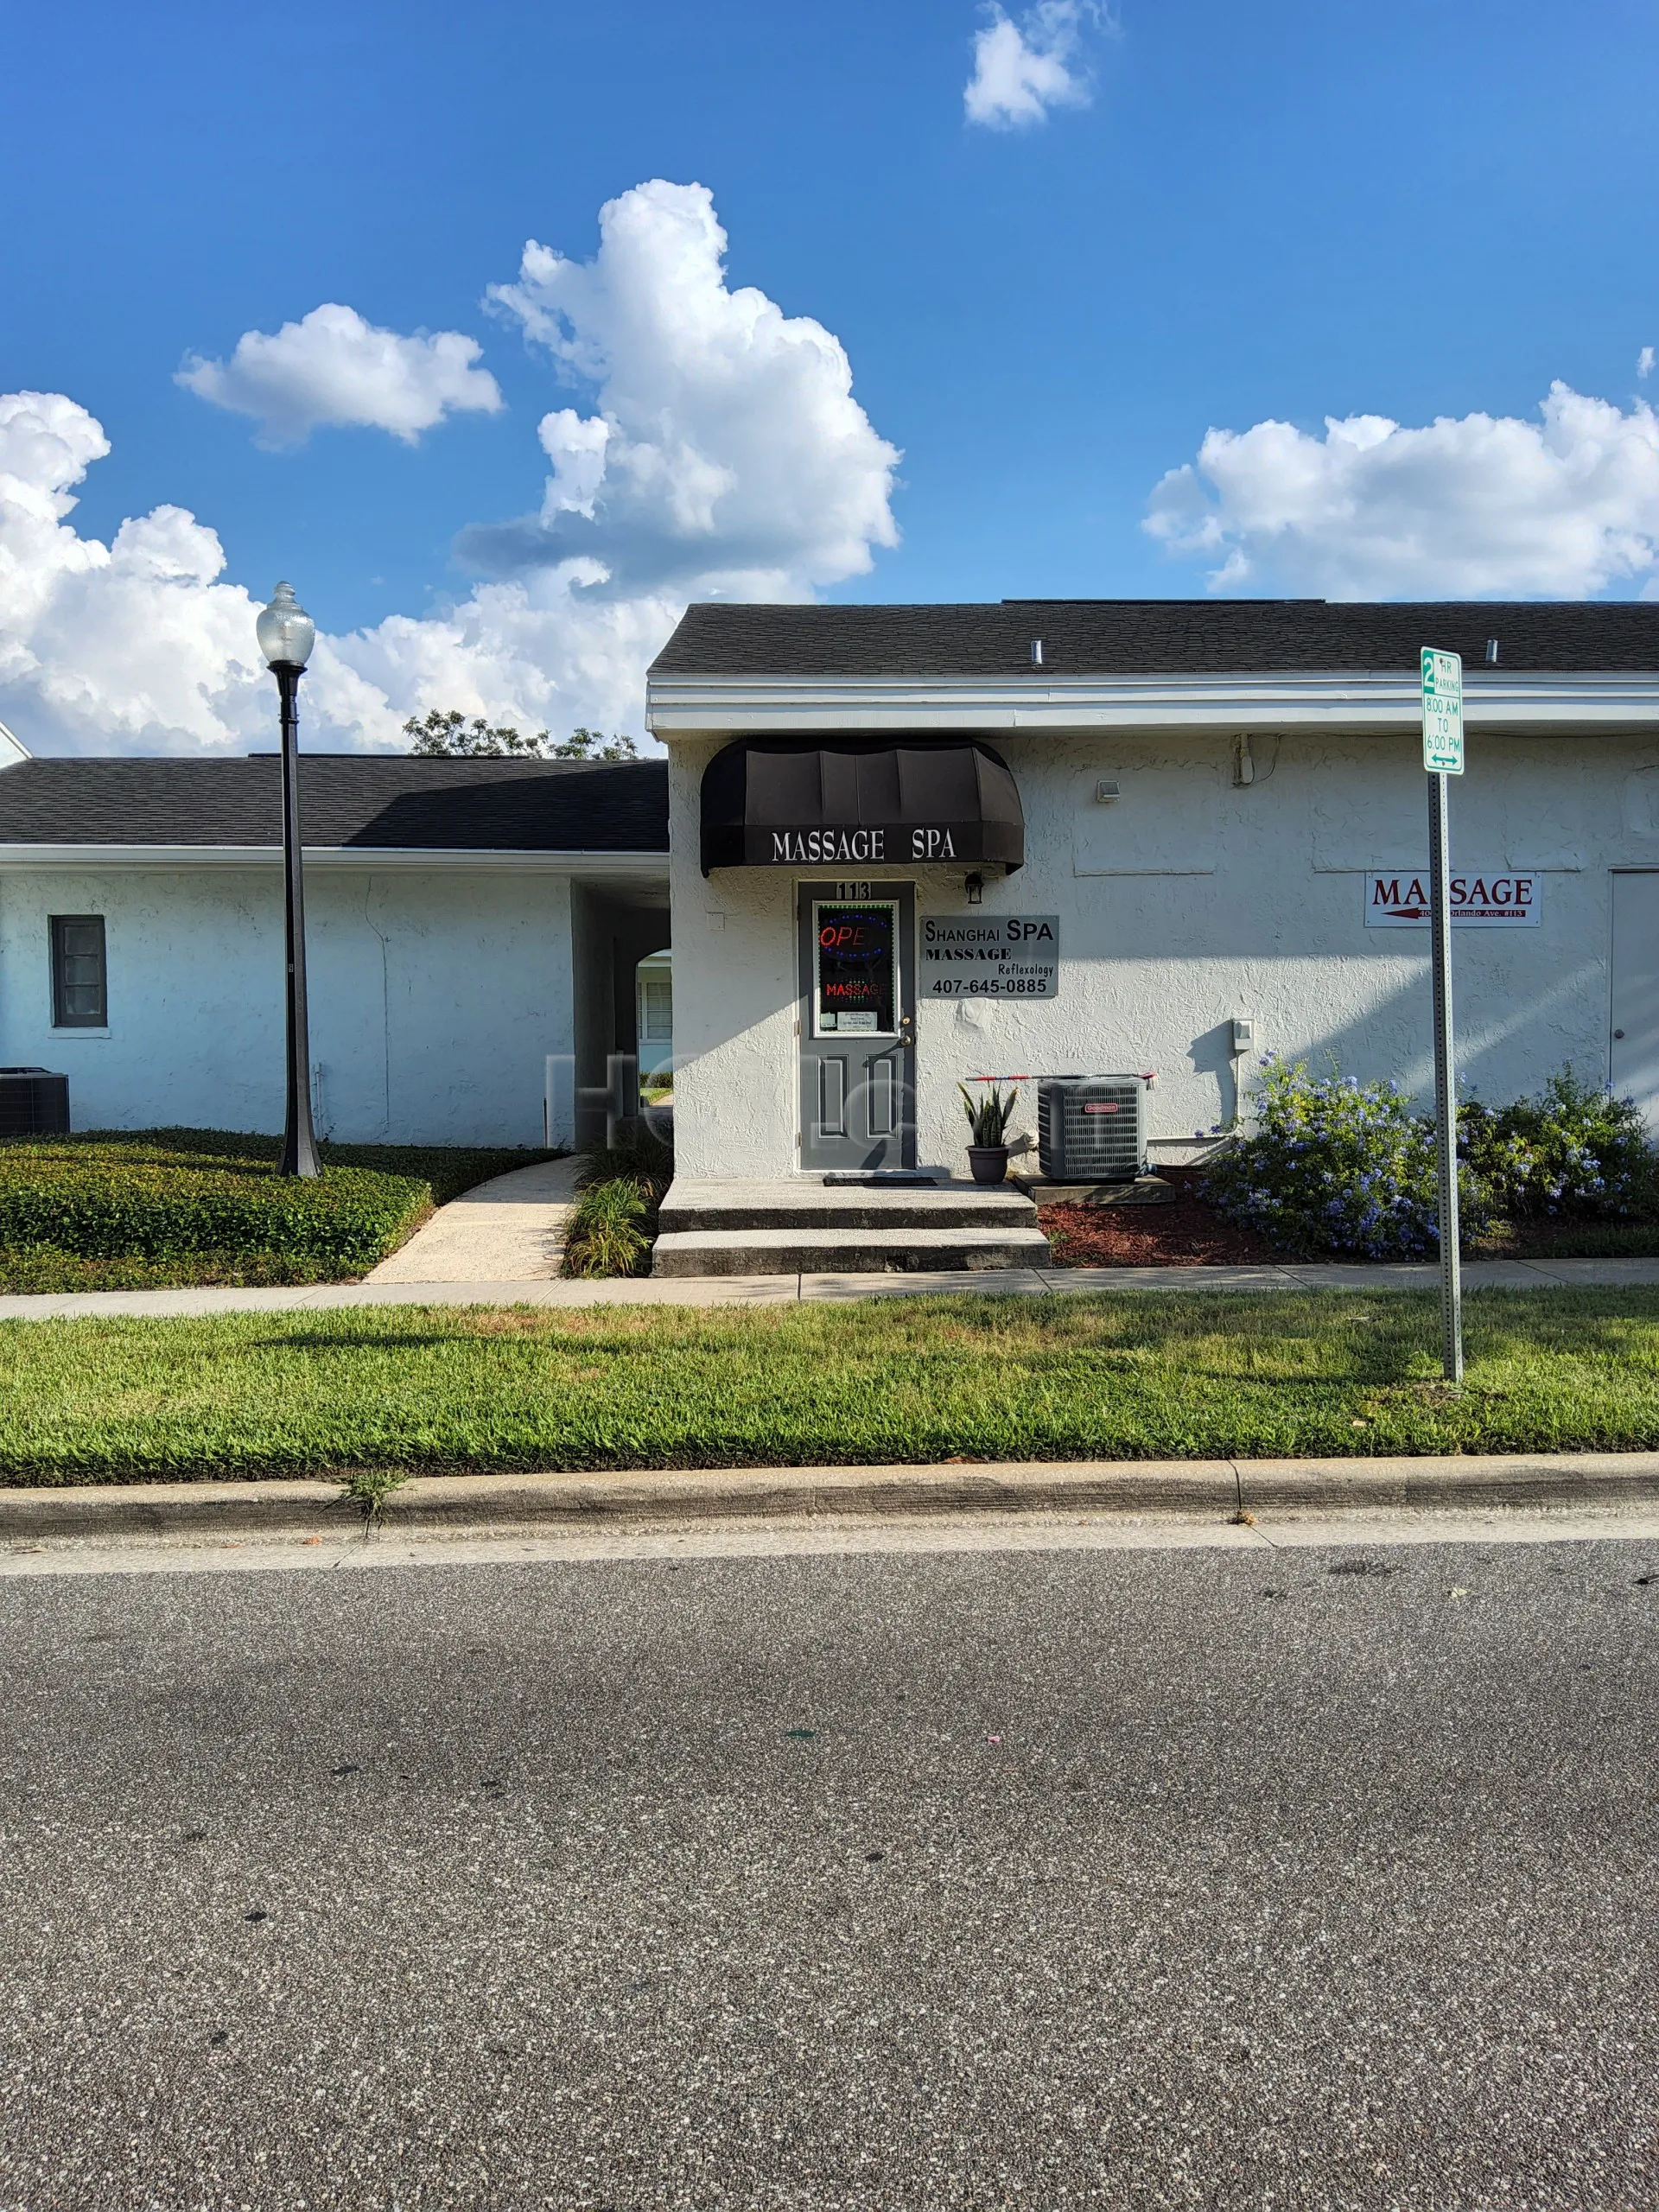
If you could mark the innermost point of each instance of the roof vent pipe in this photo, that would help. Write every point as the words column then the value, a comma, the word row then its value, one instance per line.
column 1036, row 652
column 1491, row 652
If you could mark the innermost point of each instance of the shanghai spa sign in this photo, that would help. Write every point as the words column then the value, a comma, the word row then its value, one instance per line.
column 990, row 955
column 1397, row 898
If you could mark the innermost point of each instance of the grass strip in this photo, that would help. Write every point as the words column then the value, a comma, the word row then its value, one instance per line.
column 1178, row 1375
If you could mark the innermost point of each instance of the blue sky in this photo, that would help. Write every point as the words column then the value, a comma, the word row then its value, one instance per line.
column 1226, row 218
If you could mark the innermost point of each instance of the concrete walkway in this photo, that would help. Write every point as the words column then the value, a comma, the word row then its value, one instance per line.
column 784, row 1290
column 509, row 1229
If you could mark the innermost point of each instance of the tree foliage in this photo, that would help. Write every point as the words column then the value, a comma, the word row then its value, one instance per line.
column 456, row 736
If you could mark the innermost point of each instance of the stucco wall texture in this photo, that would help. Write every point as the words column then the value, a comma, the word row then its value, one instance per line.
column 1188, row 902
column 436, row 997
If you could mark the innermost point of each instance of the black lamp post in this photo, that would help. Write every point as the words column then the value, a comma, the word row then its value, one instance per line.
column 287, row 634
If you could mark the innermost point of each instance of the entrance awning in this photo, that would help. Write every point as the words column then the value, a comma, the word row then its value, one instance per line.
column 781, row 803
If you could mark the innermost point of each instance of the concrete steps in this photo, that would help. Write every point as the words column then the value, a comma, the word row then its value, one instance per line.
column 802, row 1226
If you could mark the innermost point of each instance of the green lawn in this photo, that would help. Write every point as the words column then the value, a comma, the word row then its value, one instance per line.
column 1166, row 1376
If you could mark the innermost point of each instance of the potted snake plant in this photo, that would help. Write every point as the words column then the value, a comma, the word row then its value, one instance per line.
column 987, row 1124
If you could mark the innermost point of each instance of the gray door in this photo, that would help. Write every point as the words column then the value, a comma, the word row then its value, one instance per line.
column 1633, row 1052
column 858, row 1025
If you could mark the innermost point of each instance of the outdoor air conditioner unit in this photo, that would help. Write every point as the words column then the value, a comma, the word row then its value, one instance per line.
column 1091, row 1128
column 34, row 1103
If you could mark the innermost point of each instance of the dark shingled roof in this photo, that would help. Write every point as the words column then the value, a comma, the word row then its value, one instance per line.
column 346, row 798
column 1156, row 637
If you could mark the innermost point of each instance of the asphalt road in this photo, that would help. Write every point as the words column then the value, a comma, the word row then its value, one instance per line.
column 1137, row 1878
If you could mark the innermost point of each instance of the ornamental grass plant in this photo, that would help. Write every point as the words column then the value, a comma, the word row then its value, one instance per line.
column 613, row 1224
column 611, row 1228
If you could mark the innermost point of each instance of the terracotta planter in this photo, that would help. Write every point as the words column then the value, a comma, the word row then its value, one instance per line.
column 988, row 1162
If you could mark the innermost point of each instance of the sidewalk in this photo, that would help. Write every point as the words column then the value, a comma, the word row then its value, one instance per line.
column 509, row 1229
column 784, row 1290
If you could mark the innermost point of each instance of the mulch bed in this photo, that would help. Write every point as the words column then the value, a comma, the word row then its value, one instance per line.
column 1188, row 1233
column 1185, row 1233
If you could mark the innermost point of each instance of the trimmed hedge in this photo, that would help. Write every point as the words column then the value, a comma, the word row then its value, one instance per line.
column 176, row 1194
column 163, row 1207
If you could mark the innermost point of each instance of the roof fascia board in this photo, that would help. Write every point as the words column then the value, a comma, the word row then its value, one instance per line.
column 684, row 705
column 336, row 856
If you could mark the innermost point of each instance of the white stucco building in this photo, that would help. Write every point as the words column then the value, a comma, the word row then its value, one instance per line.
column 473, row 929
column 1220, row 811
column 1205, row 820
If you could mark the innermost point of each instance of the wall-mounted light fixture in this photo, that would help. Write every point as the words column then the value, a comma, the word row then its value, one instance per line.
column 1107, row 793
column 975, row 887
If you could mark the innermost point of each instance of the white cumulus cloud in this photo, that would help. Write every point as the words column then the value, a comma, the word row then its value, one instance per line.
column 1644, row 362
column 724, row 453
column 140, row 644
column 1467, row 507
column 1022, row 69
column 333, row 368
column 115, row 641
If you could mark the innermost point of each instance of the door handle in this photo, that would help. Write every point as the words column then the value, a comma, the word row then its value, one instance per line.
column 1618, row 1032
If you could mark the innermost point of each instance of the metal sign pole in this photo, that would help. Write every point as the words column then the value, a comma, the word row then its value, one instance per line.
column 1446, row 1088
column 1442, row 699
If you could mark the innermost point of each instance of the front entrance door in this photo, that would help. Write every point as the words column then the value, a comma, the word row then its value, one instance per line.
column 858, row 1025
column 1633, row 1052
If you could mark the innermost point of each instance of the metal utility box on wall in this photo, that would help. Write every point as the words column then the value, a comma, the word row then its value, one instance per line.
column 1091, row 1128
column 34, row 1103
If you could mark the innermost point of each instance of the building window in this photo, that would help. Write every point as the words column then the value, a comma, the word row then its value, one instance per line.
column 655, row 1007
column 654, row 1018
column 79, row 993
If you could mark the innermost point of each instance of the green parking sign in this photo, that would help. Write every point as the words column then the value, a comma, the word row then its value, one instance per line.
column 1442, row 712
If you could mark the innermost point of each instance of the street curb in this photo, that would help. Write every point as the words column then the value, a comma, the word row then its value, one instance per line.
column 1208, row 1489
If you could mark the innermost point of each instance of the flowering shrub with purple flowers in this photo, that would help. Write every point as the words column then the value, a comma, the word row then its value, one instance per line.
column 1573, row 1149
column 1336, row 1165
